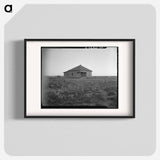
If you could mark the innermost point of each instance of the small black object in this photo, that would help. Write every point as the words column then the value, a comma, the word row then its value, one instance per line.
column 8, row 8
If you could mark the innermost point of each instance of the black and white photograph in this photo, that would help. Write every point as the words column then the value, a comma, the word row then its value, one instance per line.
column 79, row 77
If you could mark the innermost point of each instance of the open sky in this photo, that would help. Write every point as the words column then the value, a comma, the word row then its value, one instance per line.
column 102, row 61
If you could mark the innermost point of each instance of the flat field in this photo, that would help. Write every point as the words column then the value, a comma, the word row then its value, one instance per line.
column 87, row 92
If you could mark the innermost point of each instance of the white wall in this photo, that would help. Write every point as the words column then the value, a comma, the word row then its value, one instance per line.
column 81, row 136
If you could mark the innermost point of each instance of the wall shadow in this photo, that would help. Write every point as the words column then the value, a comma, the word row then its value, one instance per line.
column 18, row 81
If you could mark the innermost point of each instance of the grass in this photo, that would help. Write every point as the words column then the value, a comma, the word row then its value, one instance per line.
column 87, row 91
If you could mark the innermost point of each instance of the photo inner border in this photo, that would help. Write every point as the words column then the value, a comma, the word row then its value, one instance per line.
column 81, row 107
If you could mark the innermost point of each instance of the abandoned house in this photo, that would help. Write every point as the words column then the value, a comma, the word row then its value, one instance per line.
column 78, row 72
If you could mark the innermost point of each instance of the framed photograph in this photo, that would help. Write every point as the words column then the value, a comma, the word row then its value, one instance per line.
column 92, row 78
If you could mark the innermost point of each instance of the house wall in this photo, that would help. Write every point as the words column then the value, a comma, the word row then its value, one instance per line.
column 76, row 74
column 72, row 74
column 89, row 74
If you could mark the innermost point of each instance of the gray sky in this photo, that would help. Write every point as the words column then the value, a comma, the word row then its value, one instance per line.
column 103, row 62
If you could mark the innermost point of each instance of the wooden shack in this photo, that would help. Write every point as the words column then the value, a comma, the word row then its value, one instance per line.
column 78, row 72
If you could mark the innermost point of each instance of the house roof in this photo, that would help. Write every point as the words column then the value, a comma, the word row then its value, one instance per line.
column 79, row 68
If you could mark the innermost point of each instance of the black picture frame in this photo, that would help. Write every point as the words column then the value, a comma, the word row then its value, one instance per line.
column 25, row 76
